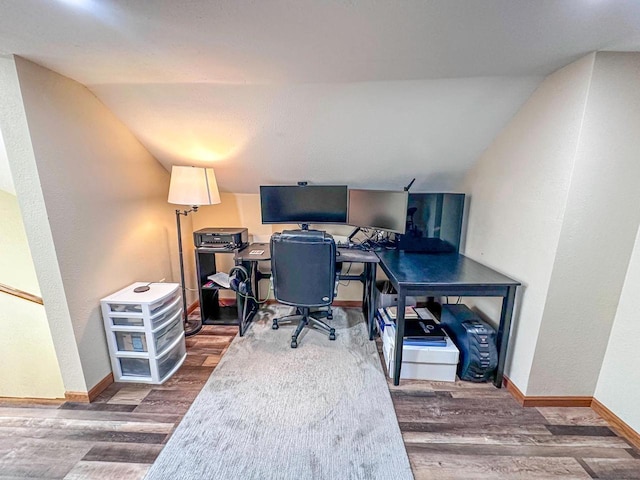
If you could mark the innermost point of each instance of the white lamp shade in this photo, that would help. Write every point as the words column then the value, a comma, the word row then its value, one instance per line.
column 193, row 186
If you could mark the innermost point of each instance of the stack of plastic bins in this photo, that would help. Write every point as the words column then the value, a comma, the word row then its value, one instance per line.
column 145, row 332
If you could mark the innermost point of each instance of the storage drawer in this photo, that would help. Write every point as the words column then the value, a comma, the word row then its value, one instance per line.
column 131, row 341
column 167, row 335
column 125, row 307
column 127, row 321
column 159, row 305
column 169, row 361
column 165, row 316
column 135, row 367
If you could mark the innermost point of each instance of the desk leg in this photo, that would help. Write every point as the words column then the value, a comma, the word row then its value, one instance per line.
column 503, row 333
column 255, row 280
column 399, row 337
column 240, row 303
column 370, row 287
column 247, row 307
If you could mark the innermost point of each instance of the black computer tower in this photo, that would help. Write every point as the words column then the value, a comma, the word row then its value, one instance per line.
column 475, row 339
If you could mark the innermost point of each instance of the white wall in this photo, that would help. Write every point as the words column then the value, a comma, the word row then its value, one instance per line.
column 517, row 192
column 6, row 179
column 22, row 162
column 618, row 385
column 598, row 232
column 106, row 200
column 553, row 204
column 28, row 363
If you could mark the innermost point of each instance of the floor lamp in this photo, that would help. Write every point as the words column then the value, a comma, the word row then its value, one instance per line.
column 192, row 186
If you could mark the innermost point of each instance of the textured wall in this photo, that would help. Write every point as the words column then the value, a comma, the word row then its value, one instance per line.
column 600, row 224
column 6, row 179
column 28, row 363
column 517, row 192
column 619, row 381
column 15, row 130
column 106, row 200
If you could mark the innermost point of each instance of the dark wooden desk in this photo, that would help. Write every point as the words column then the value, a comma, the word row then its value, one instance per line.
column 368, row 279
column 439, row 275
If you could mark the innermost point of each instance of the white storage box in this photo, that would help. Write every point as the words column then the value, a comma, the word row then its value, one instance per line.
column 391, row 299
column 145, row 332
column 421, row 362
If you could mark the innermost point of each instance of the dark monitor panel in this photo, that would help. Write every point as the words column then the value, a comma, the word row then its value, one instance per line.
column 434, row 223
column 380, row 209
column 304, row 204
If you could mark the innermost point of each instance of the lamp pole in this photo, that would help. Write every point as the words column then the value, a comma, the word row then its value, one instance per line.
column 191, row 186
column 187, row 332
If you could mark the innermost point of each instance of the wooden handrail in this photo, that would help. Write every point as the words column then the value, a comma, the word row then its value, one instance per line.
column 20, row 294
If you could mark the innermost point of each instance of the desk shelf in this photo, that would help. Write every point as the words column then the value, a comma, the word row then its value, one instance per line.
column 212, row 312
column 223, row 315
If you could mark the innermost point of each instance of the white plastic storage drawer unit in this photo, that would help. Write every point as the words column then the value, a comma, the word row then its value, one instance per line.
column 145, row 332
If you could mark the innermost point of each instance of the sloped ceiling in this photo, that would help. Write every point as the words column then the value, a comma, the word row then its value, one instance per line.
column 358, row 92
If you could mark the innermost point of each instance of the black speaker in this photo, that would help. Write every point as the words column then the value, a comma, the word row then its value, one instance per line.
column 239, row 280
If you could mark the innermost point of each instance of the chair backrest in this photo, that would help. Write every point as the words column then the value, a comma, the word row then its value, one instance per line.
column 303, row 267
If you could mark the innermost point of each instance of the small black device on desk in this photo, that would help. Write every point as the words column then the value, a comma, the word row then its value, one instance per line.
column 222, row 238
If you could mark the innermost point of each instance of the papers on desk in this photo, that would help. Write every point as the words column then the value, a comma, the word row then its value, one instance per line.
column 221, row 279
column 409, row 312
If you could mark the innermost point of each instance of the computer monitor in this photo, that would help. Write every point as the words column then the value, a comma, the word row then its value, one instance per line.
column 434, row 223
column 379, row 209
column 304, row 204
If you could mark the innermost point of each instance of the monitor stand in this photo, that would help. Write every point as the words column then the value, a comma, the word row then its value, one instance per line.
column 353, row 234
column 304, row 226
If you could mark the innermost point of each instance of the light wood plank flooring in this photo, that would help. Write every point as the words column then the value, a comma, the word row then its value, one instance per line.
column 118, row 435
column 473, row 431
column 451, row 430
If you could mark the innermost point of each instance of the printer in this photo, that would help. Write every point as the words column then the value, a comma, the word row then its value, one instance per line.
column 221, row 238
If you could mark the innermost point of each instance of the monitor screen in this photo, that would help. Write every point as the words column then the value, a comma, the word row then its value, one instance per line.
column 304, row 204
column 434, row 223
column 380, row 209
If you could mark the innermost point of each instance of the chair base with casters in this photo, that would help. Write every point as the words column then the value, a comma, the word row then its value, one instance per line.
column 305, row 317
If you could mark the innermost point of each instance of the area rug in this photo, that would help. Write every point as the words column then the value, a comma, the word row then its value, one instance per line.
column 320, row 411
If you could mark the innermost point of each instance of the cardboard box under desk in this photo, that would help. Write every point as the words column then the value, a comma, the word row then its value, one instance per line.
column 421, row 362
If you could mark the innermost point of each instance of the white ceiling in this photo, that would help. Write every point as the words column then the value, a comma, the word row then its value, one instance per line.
column 253, row 86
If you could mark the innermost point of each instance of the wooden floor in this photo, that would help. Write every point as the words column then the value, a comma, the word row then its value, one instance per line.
column 473, row 431
column 118, row 435
column 451, row 431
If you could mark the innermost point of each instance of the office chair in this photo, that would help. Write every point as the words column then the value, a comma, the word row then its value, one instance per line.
column 303, row 271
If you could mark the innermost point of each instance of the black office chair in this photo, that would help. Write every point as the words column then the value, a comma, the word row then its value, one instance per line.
column 303, row 271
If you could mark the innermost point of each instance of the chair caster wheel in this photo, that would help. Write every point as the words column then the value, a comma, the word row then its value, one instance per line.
column 275, row 326
column 294, row 344
column 332, row 335
column 330, row 317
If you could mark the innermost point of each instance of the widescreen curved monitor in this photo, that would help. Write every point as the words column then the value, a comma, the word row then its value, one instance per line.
column 303, row 204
